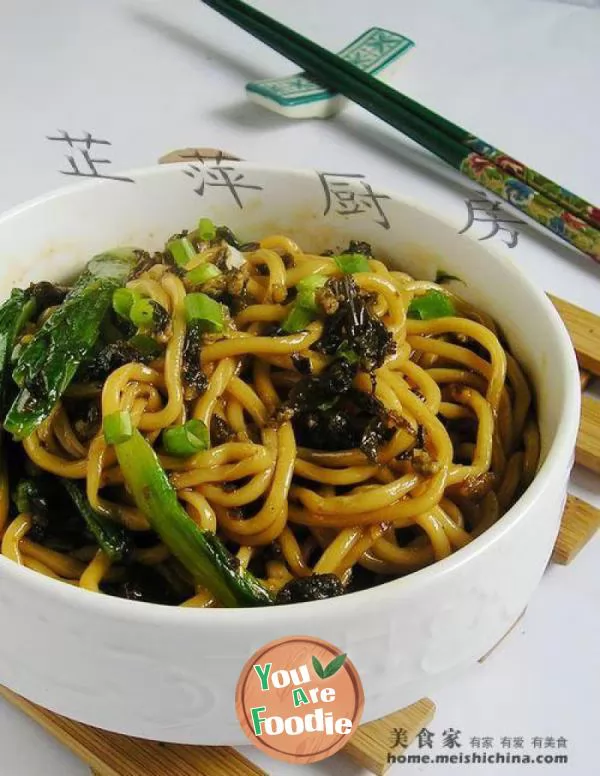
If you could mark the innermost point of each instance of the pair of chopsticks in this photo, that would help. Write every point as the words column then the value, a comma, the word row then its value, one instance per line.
column 560, row 211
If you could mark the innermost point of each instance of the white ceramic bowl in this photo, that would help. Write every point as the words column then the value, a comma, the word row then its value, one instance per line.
column 169, row 674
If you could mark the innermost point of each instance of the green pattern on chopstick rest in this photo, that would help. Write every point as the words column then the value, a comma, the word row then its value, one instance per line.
column 534, row 204
column 372, row 51
column 552, row 190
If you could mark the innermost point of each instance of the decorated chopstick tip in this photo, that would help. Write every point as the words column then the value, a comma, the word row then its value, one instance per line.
column 375, row 52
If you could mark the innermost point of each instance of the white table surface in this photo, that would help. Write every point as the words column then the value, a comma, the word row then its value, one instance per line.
column 152, row 76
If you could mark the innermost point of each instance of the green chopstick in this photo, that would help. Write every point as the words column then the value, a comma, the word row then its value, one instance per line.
column 565, row 214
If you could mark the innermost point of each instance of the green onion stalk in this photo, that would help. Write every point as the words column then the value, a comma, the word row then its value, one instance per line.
column 200, row 552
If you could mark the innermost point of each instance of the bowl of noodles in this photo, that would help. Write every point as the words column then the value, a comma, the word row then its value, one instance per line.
column 245, row 407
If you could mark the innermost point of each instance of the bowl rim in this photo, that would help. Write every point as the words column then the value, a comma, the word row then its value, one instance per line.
column 559, row 455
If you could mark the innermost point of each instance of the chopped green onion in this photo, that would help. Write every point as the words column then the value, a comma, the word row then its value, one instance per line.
column 311, row 283
column 202, row 273
column 206, row 312
column 305, row 308
column 306, row 289
column 182, row 441
column 142, row 313
column 206, row 229
column 182, row 250
column 433, row 304
column 122, row 301
column 352, row 262
column 297, row 319
column 117, row 427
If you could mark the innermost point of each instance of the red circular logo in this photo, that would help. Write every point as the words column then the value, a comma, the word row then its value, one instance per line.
column 299, row 699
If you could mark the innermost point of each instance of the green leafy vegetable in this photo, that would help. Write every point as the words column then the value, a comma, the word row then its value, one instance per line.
column 23, row 494
column 319, row 670
column 205, row 312
column 47, row 364
column 145, row 345
column 433, row 304
column 185, row 440
column 352, row 262
column 14, row 313
column 202, row 553
column 56, row 522
column 111, row 537
column 117, row 427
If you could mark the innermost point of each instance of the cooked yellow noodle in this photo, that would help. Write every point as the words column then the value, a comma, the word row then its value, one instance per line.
column 11, row 541
column 277, row 290
column 238, row 346
column 60, row 564
column 462, row 443
column 531, row 439
column 94, row 573
column 41, row 568
column 510, row 483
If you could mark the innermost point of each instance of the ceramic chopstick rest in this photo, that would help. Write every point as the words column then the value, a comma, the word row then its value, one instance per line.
column 298, row 97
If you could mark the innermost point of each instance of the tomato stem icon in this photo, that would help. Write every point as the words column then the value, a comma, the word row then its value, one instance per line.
column 331, row 668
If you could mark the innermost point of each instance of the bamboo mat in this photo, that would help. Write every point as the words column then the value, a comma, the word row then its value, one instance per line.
column 111, row 754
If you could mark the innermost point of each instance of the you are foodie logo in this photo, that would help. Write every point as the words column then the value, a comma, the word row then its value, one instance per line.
column 299, row 699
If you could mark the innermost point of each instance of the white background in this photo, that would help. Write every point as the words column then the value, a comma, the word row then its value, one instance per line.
column 154, row 76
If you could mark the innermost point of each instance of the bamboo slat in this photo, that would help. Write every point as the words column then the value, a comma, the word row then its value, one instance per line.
column 587, row 452
column 584, row 328
column 584, row 379
column 373, row 742
column 111, row 754
column 580, row 522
